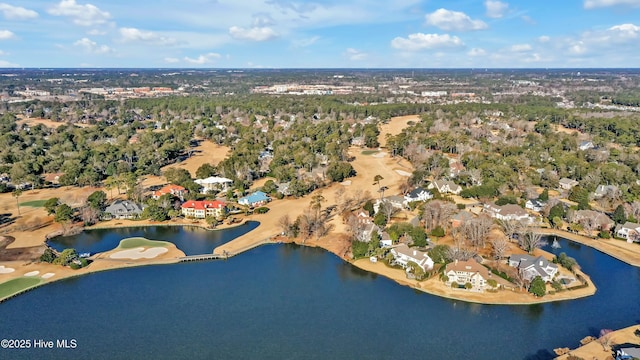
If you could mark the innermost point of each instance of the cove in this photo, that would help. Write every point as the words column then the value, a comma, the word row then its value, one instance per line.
column 192, row 240
column 290, row 302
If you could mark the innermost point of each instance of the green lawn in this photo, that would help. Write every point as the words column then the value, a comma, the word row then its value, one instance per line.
column 16, row 285
column 369, row 152
column 135, row 242
column 34, row 203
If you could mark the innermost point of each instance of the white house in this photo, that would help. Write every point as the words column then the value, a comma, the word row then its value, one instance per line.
column 403, row 255
column 385, row 240
column 418, row 194
column 629, row 231
column 445, row 187
column 506, row 212
column 469, row 271
column 534, row 205
column 567, row 184
column 530, row 267
column 213, row 183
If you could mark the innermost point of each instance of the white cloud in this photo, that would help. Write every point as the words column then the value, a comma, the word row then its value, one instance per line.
column 521, row 48
column 252, row 34
column 355, row 55
column 91, row 46
column 6, row 34
column 6, row 64
column 83, row 15
column 171, row 60
column 592, row 4
column 97, row 32
column 495, row 9
column 305, row 42
column 454, row 21
column 477, row 52
column 133, row 35
column 16, row 13
column 544, row 39
column 203, row 59
column 420, row 41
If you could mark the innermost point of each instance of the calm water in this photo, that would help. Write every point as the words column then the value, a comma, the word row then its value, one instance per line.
column 286, row 302
column 191, row 240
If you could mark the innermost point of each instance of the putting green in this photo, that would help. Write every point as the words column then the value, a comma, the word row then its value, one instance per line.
column 135, row 242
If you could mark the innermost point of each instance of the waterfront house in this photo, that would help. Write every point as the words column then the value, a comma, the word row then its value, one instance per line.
column 507, row 212
column 445, row 187
column 469, row 271
column 629, row 231
column 567, row 184
column 530, row 267
column 600, row 220
column 404, row 255
column 385, row 240
column 418, row 194
column 175, row 190
column 213, row 183
column 202, row 209
column 123, row 209
column 257, row 198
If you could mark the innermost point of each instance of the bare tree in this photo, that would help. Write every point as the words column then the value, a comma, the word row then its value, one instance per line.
column 89, row 215
column 511, row 227
column 605, row 338
column 437, row 213
column 477, row 230
column 460, row 253
column 284, row 223
column 589, row 224
column 499, row 245
column 356, row 228
column 388, row 209
column 531, row 240
column 635, row 209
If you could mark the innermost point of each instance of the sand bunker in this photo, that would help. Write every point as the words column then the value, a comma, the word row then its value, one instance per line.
column 139, row 253
column 6, row 270
column 32, row 273
column 47, row 275
column 380, row 155
column 346, row 183
column 403, row 173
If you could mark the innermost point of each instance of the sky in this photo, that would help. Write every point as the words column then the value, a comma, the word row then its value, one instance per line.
column 320, row 33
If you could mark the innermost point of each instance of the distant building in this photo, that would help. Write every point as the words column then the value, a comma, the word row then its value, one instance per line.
column 123, row 209
column 258, row 198
column 507, row 212
column 586, row 145
column 534, row 205
column 418, row 194
column 603, row 190
column 203, row 209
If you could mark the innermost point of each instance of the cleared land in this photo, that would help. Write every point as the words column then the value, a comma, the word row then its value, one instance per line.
column 45, row 122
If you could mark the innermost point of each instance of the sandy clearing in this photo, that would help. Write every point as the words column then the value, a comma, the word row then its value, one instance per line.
column 139, row 253
column 32, row 273
column 46, row 122
column 346, row 183
column 403, row 173
column 395, row 126
column 47, row 275
column 6, row 270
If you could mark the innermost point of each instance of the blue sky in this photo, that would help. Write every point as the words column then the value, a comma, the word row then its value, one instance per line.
column 320, row 33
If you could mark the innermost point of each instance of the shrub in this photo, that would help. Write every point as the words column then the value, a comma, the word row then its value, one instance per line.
column 637, row 332
column 359, row 249
column 538, row 287
column 492, row 283
column 468, row 286
column 261, row 210
column 455, row 285
column 604, row 234
column 438, row 232
column 557, row 285
column 444, row 278
column 461, row 206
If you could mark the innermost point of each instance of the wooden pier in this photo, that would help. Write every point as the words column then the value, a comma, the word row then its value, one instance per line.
column 204, row 257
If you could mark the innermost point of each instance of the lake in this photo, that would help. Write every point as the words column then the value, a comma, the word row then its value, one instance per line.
column 291, row 302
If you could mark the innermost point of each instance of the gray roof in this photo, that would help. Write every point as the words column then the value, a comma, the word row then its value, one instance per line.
column 416, row 192
column 124, row 207
column 527, row 261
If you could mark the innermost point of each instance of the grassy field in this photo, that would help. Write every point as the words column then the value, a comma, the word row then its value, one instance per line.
column 369, row 152
column 135, row 242
column 34, row 203
column 16, row 285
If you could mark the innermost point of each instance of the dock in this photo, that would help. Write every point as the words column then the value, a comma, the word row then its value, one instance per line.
column 204, row 257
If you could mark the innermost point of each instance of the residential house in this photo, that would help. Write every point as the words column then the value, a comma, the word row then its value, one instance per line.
column 175, row 190
column 602, row 221
column 213, row 183
column 395, row 201
column 603, row 190
column 361, row 216
column 445, row 187
column 530, row 267
column 385, row 240
column 534, row 205
column 418, row 194
column 283, row 188
column 586, row 145
column 358, row 141
column 404, row 255
column 567, row 184
column 455, row 168
column 629, row 231
column 507, row 212
column 469, row 271
column 258, row 198
column 460, row 218
column 367, row 231
column 203, row 209
column 123, row 209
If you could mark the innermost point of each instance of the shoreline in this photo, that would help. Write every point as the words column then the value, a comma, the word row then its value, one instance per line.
column 595, row 350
